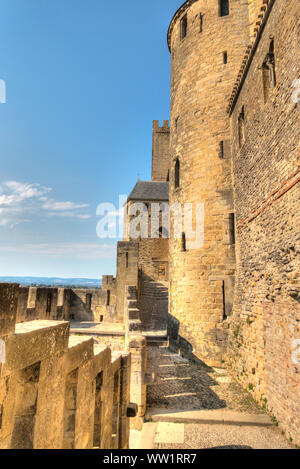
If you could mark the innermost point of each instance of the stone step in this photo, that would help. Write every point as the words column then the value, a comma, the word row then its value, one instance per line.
column 213, row 417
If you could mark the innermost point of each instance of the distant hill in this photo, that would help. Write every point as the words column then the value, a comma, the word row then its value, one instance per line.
column 53, row 281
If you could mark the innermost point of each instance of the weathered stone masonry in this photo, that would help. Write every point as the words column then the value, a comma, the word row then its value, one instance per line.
column 266, row 316
column 56, row 390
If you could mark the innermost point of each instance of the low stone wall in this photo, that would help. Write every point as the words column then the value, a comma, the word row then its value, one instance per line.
column 59, row 391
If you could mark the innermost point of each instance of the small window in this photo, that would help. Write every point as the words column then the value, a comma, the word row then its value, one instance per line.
column 241, row 124
column 108, row 298
column 269, row 73
column 88, row 300
column 221, row 151
column 183, row 27
column 177, row 174
column 232, row 228
column 168, row 176
column 201, row 23
column 101, row 318
column 225, row 57
column 223, row 7
column 183, row 242
column 127, row 260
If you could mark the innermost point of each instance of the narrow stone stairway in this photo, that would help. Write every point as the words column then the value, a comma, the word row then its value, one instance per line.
column 154, row 305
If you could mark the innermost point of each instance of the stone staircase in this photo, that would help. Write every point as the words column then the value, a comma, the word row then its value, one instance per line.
column 154, row 305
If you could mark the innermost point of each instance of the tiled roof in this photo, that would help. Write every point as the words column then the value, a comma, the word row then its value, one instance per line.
column 148, row 190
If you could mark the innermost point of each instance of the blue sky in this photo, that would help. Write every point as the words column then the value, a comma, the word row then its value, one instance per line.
column 84, row 80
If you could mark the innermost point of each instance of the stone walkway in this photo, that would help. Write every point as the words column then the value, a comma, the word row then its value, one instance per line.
column 180, row 384
column 191, row 406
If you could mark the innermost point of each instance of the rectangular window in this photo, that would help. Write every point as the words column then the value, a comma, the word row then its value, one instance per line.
column 223, row 7
column 225, row 57
column 201, row 22
column 183, row 242
column 88, row 301
column 232, row 228
column 221, row 151
column 241, row 129
column 108, row 298
column 49, row 303
column 183, row 27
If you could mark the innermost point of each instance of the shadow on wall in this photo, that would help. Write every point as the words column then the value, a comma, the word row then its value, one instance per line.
column 183, row 347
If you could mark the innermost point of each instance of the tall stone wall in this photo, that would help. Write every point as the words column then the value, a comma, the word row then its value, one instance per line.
column 160, row 151
column 59, row 391
column 265, row 333
column 201, row 279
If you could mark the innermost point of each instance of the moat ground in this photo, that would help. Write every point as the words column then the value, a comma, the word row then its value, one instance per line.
column 192, row 406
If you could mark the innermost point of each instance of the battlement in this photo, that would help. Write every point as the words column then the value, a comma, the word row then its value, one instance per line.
column 164, row 128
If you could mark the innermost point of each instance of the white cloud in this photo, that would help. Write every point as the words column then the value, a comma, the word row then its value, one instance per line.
column 57, row 206
column 82, row 251
column 19, row 202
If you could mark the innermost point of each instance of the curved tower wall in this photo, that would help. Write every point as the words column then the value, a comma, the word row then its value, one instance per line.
column 201, row 280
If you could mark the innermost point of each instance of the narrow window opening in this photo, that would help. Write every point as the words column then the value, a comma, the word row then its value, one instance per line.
column 127, row 260
column 232, row 228
column 221, row 151
column 224, row 303
column 88, row 300
column 177, row 174
column 101, row 318
column 49, row 303
column 269, row 72
column 183, row 242
column 225, row 57
column 168, row 176
column 108, row 298
column 223, row 7
column 241, row 124
column 183, row 27
column 201, row 22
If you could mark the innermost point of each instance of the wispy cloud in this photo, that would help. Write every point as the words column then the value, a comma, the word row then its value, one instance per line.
column 82, row 251
column 19, row 202
column 57, row 206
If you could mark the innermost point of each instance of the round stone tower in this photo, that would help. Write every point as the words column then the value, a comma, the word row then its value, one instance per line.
column 207, row 41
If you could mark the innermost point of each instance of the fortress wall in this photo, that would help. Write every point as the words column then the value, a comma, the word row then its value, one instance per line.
column 57, row 391
column 160, row 151
column 266, row 322
column 200, row 86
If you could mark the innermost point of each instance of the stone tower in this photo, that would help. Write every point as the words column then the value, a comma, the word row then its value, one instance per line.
column 207, row 41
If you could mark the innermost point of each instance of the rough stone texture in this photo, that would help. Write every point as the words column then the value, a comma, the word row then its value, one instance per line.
column 200, row 84
column 59, row 391
column 266, row 319
column 160, row 151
